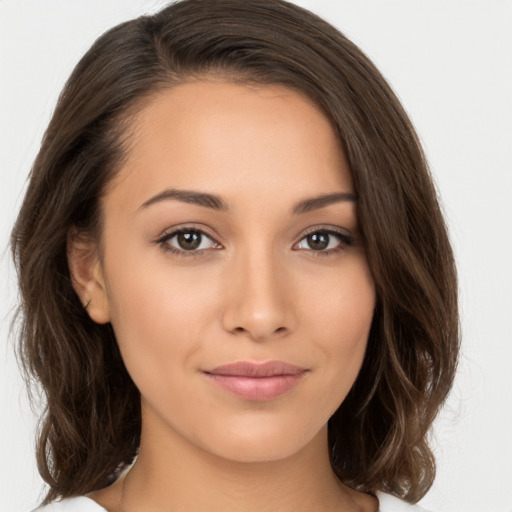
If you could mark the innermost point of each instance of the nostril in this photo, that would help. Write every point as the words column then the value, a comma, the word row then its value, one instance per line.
column 248, row 332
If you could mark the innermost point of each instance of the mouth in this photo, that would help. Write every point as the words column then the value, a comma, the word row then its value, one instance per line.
column 257, row 381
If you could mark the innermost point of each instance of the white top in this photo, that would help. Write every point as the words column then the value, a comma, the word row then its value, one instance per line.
column 387, row 503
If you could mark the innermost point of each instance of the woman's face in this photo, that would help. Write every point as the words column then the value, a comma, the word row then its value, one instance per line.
column 230, row 236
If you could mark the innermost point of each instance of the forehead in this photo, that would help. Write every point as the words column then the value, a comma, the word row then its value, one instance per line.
column 232, row 139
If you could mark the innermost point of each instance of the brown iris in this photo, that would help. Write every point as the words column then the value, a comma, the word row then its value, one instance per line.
column 318, row 241
column 189, row 240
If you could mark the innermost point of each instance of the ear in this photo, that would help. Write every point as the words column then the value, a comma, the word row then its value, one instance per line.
column 87, row 275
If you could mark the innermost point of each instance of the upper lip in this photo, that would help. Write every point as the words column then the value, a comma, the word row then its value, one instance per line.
column 250, row 369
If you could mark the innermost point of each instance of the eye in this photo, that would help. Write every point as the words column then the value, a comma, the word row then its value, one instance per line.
column 187, row 240
column 324, row 241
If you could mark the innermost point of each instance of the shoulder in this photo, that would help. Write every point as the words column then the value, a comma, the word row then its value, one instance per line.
column 389, row 503
column 78, row 504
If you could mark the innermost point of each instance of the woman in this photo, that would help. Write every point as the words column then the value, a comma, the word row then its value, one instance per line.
column 238, row 290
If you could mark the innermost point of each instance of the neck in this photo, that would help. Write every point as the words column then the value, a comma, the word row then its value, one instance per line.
column 171, row 474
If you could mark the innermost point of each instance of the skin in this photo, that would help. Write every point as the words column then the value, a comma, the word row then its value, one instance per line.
column 255, row 291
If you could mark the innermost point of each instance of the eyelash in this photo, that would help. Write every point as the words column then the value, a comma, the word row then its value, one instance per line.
column 163, row 242
column 344, row 239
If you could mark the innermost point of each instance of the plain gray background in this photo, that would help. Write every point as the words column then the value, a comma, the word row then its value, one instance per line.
column 450, row 63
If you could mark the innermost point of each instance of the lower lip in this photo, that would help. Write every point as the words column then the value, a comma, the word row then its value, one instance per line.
column 257, row 388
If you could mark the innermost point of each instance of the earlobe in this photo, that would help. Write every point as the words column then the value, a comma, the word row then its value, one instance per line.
column 87, row 275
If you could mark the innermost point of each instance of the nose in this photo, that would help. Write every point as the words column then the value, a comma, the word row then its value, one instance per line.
column 259, row 301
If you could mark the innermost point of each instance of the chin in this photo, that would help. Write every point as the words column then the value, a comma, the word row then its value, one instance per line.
column 263, row 443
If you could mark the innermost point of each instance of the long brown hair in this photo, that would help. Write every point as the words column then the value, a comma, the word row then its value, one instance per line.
column 91, row 424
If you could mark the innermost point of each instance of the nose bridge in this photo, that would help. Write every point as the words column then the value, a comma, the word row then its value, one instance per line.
column 258, row 304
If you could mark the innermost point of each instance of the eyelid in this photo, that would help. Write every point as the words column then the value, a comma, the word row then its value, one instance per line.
column 192, row 226
column 171, row 232
column 344, row 235
column 327, row 228
column 346, row 239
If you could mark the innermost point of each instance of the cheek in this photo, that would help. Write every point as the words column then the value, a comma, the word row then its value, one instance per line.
column 339, row 317
column 148, row 290
column 341, row 304
column 159, row 316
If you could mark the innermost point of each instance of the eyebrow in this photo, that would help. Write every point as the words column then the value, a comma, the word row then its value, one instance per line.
column 188, row 196
column 217, row 203
column 315, row 203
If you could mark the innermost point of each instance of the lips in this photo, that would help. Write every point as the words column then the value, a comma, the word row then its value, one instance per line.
column 257, row 381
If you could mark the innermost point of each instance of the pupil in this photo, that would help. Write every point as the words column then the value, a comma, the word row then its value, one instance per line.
column 189, row 240
column 318, row 241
